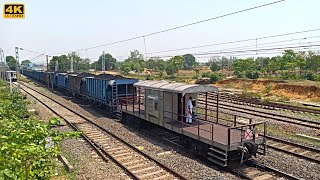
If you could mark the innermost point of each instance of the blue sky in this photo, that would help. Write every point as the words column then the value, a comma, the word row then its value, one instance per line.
column 55, row 27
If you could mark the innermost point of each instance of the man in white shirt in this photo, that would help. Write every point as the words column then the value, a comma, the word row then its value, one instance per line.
column 189, row 113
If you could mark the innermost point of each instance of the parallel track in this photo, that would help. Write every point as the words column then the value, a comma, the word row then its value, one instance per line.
column 262, row 114
column 249, row 170
column 137, row 164
column 255, row 171
column 295, row 149
column 237, row 99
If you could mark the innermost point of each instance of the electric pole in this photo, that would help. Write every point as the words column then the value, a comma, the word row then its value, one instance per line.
column 72, row 62
column 103, row 62
column 57, row 65
column 18, row 64
column 17, row 59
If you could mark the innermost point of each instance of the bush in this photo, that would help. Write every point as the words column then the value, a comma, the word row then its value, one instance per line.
column 248, row 94
column 289, row 75
column 267, row 89
column 149, row 77
column 214, row 77
column 310, row 76
column 206, row 74
column 238, row 74
column 252, row 74
column 28, row 147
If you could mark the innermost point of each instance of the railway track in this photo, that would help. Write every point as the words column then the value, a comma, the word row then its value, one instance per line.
column 134, row 162
column 295, row 149
column 261, row 114
column 102, row 141
column 249, row 170
column 256, row 171
column 227, row 97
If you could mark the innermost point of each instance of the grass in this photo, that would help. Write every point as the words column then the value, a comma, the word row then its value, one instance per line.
column 271, row 130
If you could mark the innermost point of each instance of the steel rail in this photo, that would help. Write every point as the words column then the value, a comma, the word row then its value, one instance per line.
column 267, row 115
column 116, row 137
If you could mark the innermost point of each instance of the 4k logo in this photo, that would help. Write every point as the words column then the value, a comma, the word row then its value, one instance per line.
column 13, row 11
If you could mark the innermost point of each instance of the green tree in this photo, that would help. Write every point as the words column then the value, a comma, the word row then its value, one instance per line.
column 11, row 62
column 313, row 62
column 64, row 63
column 110, row 62
column 25, row 63
column 214, row 66
column 174, row 65
column 189, row 61
column 135, row 61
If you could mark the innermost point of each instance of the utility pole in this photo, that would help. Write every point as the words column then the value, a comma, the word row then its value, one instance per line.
column 17, row 59
column 103, row 62
column 72, row 62
column 17, row 64
column 47, row 57
column 57, row 65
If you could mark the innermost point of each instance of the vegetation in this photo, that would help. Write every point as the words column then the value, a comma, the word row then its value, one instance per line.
column 110, row 63
column 291, row 65
column 28, row 146
column 11, row 62
column 64, row 63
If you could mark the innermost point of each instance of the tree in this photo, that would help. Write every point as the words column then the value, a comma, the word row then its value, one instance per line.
column 11, row 62
column 25, row 63
column 110, row 62
column 214, row 66
column 174, row 65
column 312, row 62
column 189, row 61
column 156, row 63
column 64, row 63
column 135, row 61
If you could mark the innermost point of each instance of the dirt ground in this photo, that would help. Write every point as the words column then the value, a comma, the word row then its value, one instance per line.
column 302, row 90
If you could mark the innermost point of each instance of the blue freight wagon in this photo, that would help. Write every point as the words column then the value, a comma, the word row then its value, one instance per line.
column 62, row 80
column 107, row 88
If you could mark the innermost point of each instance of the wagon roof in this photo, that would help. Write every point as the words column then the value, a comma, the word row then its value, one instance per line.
column 175, row 87
column 86, row 75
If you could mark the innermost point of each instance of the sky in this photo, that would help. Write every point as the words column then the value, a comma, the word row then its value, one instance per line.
column 60, row 27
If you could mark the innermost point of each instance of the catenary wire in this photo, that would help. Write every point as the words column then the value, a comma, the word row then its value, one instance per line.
column 178, row 27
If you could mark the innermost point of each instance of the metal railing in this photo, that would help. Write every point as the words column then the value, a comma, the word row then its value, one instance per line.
column 200, row 126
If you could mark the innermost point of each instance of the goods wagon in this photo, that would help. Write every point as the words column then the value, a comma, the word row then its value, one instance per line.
column 50, row 79
column 78, row 84
column 36, row 75
column 167, row 104
column 107, row 88
column 63, row 80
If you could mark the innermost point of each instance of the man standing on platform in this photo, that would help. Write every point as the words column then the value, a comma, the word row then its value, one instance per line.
column 190, row 108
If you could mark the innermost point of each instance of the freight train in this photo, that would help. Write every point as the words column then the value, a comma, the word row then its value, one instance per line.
column 221, row 140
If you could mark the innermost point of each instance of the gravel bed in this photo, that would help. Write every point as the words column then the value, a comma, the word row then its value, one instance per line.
column 78, row 152
column 87, row 163
column 188, row 165
column 288, row 163
column 277, row 112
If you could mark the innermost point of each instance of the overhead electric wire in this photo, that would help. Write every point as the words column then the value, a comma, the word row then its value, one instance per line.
column 31, row 51
column 178, row 27
column 36, row 57
column 243, row 48
column 250, row 50
column 237, row 41
column 253, row 53
column 260, row 46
